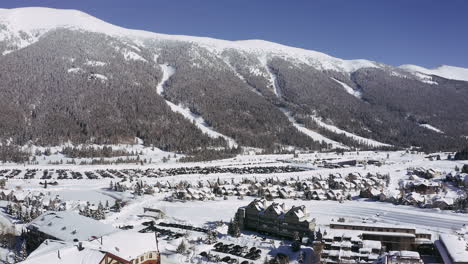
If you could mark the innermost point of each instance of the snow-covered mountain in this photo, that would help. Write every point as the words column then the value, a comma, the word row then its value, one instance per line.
column 26, row 25
column 60, row 63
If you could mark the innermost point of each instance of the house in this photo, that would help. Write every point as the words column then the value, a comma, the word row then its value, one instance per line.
column 348, row 247
column 316, row 195
column 370, row 193
column 392, row 237
column 57, row 252
column 444, row 203
column 335, row 195
column 275, row 219
column 390, row 196
column 64, row 226
column 421, row 186
column 414, row 199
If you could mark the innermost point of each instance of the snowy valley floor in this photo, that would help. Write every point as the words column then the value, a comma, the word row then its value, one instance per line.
column 207, row 213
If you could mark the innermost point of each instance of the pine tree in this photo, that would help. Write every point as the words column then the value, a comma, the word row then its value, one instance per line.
column 182, row 248
column 234, row 229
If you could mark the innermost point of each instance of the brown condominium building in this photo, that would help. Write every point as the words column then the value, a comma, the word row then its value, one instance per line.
column 275, row 219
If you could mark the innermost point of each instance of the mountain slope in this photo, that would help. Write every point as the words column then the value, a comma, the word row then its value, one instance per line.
column 68, row 76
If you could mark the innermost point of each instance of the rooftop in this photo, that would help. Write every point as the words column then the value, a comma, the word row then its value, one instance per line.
column 68, row 226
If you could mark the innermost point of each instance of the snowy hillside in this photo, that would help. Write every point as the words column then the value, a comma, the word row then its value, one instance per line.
column 209, row 92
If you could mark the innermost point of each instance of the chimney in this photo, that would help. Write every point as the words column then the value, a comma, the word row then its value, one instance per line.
column 80, row 246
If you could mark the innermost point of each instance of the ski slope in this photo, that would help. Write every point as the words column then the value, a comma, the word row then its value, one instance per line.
column 312, row 134
column 168, row 71
column 337, row 130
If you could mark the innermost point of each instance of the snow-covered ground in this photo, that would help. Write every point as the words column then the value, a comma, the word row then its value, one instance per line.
column 207, row 213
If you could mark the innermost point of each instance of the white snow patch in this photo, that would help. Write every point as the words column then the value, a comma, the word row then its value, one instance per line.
column 349, row 90
column 74, row 70
column 424, row 78
column 271, row 76
column 445, row 71
column 431, row 128
column 168, row 71
column 94, row 63
column 411, row 75
column 274, row 82
column 312, row 134
column 130, row 55
column 98, row 76
column 337, row 130
column 255, row 71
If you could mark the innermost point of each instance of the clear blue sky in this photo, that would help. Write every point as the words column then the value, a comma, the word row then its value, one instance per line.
column 423, row 32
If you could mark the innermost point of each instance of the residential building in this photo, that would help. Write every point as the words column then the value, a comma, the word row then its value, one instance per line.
column 275, row 219
column 392, row 237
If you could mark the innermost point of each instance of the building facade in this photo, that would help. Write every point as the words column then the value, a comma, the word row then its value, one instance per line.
column 275, row 219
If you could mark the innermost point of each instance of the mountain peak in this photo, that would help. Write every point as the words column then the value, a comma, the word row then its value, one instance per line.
column 36, row 21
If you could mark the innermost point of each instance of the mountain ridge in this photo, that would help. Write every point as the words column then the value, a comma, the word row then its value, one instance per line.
column 53, row 17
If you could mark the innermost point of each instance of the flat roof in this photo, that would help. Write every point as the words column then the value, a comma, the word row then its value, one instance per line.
column 456, row 247
column 67, row 226
column 375, row 225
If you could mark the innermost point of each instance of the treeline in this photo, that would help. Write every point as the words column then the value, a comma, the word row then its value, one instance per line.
column 95, row 152
column 210, row 154
column 12, row 153
column 461, row 155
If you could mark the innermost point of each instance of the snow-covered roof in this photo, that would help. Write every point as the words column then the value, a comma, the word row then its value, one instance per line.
column 456, row 247
column 375, row 225
column 127, row 244
column 67, row 226
column 405, row 254
column 52, row 252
